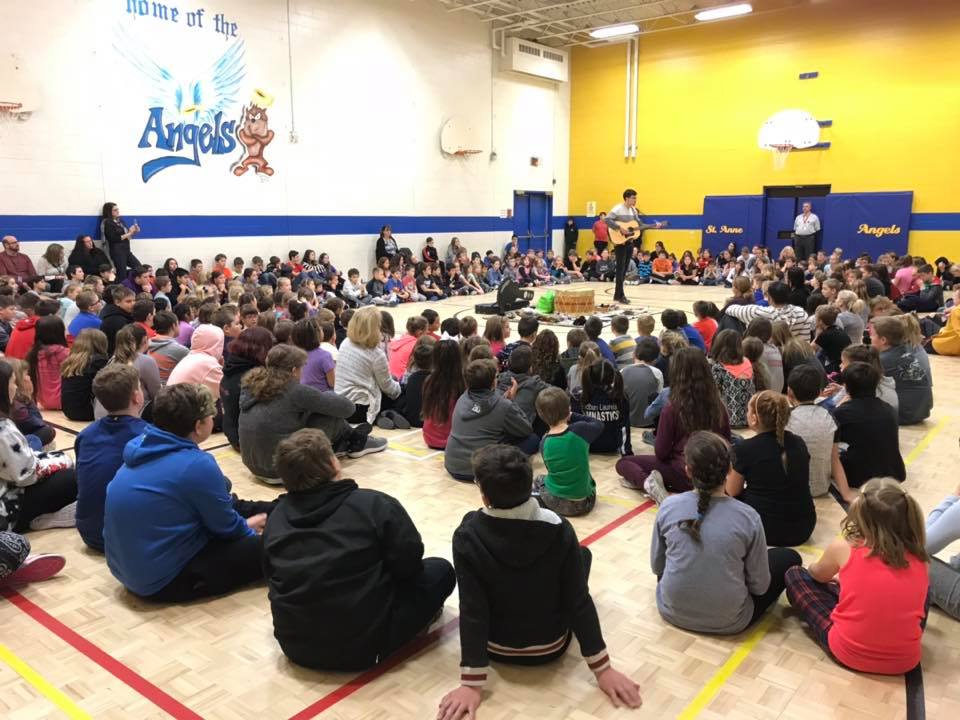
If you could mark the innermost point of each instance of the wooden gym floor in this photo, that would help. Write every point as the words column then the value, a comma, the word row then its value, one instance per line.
column 80, row 646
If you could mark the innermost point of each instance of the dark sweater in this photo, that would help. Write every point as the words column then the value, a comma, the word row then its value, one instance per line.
column 233, row 371
column 76, row 393
column 413, row 397
column 615, row 416
column 112, row 320
column 522, row 583
column 333, row 558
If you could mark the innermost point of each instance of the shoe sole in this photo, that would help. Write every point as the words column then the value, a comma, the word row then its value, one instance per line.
column 366, row 451
column 37, row 568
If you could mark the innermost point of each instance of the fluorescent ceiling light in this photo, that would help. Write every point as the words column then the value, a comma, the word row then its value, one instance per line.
column 615, row 31
column 727, row 11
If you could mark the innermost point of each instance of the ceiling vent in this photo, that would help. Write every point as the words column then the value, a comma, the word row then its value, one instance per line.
column 529, row 58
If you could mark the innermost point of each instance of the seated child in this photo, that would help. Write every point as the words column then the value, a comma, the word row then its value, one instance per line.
column 908, row 368
column 830, row 338
column 601, row 396
column 377, row 289
column 943, row 528
column 99, row 447
column 867, row 429
column 706, row 325
column 677, row 320
column 522, row 577
column 642, row 381
column 528, row 386
column 171, row 531
column 771, row 472
column 709, row 552
column 872, row 619
column 733, row 374
column 622, row 345
column 567, row 488
column 348, row 583
column 661, row 271
column 816, row 427
column 354, row 290
column 484, row 417
column 24, row 412
column 569, row 357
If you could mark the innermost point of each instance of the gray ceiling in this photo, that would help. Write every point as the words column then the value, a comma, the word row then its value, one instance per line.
column 564, row 23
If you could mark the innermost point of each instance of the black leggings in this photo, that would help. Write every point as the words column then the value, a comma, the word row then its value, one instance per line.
column 224, row 565
column 47, row 496
column 416, row 602
column 386, row 403
column 780, row 560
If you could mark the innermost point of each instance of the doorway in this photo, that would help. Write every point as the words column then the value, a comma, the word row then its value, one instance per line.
column 781, row 206
column 532, row 216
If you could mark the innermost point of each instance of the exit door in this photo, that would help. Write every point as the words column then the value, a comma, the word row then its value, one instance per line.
column 532, row 214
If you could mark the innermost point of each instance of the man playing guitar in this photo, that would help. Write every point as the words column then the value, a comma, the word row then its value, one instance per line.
column 625, row 212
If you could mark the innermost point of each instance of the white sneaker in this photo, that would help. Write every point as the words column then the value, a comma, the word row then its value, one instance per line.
column 65, row 517
column 653, row 486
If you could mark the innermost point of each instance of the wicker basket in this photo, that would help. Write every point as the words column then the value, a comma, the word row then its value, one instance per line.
column 573, row 302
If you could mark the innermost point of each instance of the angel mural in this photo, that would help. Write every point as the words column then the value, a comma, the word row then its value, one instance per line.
column 187, row 106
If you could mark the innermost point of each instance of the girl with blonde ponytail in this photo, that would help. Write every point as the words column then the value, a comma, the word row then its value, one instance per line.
column 709, row 551
column 771, row 472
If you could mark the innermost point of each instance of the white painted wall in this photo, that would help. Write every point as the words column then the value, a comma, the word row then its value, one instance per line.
column 373, row 81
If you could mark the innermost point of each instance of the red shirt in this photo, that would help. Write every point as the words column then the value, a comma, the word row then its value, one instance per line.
column 601, row 233
column 435, row 434
column 876, row 623
column 151, row 333
column 707, row 328
column 17, row 265
column 21, row 339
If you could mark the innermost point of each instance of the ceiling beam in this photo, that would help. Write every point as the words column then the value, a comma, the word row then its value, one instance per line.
column 471, row 6
column 546, row 8
column 638, row 21
column 571, row 18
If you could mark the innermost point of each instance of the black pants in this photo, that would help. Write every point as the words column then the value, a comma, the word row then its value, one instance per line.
column 123, row 258
column 780, row 560
column 416, row 602
column 47, row 496
column 386, row 403
column 222, row 566
column 622, row 253
column 804, row 246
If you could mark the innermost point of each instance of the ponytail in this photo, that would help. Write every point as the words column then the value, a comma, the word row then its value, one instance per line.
column 773, row 412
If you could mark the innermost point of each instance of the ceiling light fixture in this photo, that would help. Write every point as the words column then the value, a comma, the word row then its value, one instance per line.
column 615, row 31
column 721, row 13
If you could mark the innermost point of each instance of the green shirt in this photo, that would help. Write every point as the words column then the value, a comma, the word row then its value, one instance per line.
column 567, row 457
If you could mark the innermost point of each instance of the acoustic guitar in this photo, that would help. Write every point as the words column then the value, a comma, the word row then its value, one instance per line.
column 630, row 230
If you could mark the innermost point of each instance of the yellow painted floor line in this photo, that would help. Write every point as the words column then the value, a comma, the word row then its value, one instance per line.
column 710, row 690
column 54, row 695
column 925, row 440
column 622, row 502
column 410, row 450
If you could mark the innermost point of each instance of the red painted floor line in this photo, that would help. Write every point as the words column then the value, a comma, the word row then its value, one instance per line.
column 422, row 643
column 345, row 691
column 151, row 692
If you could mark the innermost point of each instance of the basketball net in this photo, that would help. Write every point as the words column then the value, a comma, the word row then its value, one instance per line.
column 780, row 153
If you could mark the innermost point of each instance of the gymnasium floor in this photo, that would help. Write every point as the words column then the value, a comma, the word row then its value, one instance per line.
column 80, row 646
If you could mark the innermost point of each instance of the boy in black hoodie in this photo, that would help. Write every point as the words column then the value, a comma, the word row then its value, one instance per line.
column 348, row 583
column 522, row 577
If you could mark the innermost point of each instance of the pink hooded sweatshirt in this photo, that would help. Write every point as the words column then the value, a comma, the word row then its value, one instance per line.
column 49, row 360
column 202, row 365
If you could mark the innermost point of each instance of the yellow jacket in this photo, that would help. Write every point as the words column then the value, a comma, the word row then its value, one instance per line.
column 947, row 341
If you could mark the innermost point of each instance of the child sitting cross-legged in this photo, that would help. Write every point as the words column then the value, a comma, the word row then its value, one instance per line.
column 771, row 472
column 864, row 599
column 567, row 488
column 522, row 578
column 709, row 552
column 100, row 446
column 348, row 583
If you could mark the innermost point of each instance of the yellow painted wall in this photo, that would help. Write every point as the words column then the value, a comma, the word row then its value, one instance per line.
column 889, row 80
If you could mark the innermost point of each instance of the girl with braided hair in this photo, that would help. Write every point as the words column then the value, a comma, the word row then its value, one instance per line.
column 771, row 472
column 709, row 551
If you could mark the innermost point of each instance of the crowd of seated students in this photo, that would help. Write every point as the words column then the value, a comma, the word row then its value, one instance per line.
column 822, row 361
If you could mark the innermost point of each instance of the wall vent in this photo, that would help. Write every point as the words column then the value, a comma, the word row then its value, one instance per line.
column 529, row 58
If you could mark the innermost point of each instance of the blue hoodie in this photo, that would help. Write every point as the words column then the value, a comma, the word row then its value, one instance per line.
column 164, row 505
column 99, row 451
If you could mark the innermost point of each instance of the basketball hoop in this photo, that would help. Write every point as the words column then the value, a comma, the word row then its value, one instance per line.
column 780, row 153
column 465, row 153
column 10, row 110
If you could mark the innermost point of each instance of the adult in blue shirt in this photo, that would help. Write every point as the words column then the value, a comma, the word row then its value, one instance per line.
column 99, row 448
column 677, row 320
column 87, row 301
column 172, row 531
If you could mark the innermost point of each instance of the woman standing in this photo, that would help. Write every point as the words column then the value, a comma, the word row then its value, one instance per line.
column 117, row 236
column 387, row 245
column 88, row 256
column 363, row 374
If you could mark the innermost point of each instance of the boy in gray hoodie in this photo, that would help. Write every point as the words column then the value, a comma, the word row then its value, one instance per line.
column 484, row 417
column 528, row 386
